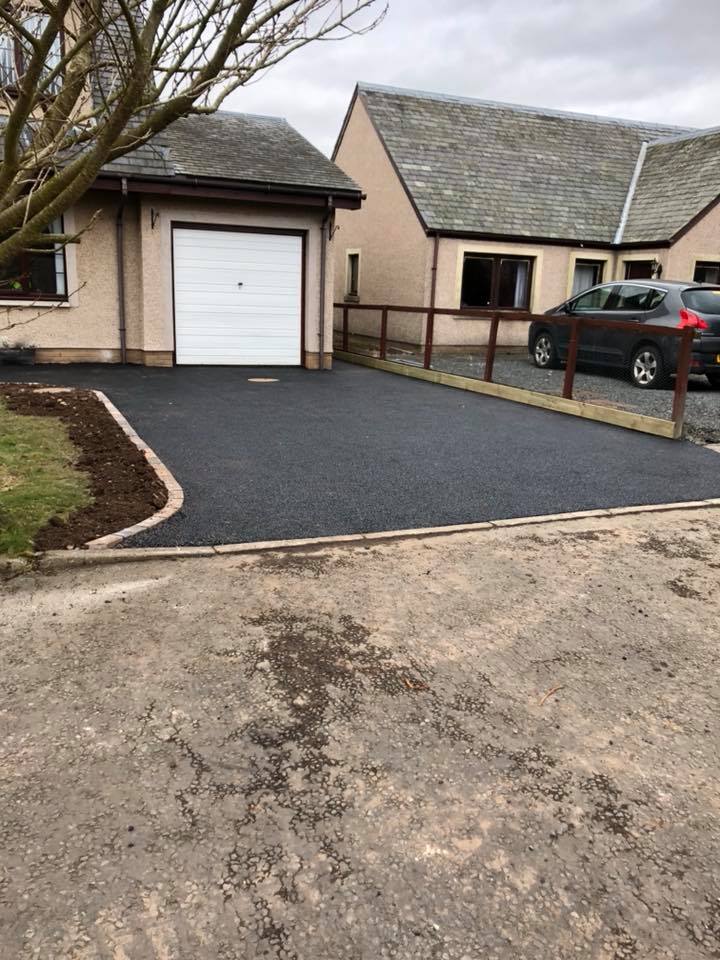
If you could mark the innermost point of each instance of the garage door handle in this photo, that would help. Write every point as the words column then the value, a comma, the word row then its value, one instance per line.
column 240, row 283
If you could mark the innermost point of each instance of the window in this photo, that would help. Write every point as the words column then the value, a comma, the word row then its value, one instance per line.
column 588, row 273
column 636, row 297
column 703, row 301
column 599, row 299
column 36, row 276
column 15, row 53
column 639, row 269
column 352, row 291
column 501, row 283
column 707, row 272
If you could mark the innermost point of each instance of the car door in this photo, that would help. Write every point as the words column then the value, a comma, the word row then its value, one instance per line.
column 596, row 303
column 632, row 304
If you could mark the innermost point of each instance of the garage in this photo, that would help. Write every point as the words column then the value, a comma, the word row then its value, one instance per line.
column 238, row 296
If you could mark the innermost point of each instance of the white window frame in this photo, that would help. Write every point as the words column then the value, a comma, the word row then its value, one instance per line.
column 71, row 298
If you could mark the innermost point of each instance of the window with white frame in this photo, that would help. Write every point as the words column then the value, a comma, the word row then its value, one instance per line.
column 15, row 54
column 36, row 274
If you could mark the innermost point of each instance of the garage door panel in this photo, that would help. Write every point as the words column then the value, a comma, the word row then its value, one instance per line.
column 237, row 297
column 225, row 255
column 247, row 355
column 266, row 297
column 276, row 247
column 217, row 336
column 253, row 343
column 257, row 308
column 217, row 265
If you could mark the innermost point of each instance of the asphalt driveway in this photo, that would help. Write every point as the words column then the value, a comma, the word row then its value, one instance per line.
column 357, row 450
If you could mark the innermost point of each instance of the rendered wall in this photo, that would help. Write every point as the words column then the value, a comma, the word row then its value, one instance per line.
column 156, row 257
column 386, row 232
column 89, row 319
column 701, row 242
column 86, row 327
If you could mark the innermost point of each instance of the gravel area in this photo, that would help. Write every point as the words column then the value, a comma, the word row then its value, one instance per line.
column 702, row 411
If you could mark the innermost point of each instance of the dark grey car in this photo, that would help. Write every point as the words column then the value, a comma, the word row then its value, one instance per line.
column 650, row 359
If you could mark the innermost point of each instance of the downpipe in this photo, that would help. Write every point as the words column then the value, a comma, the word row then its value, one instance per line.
column 324, row 232
column 120, row 251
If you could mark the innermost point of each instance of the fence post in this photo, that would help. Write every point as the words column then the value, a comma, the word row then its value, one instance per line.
column 571, row 359
column 492, row 343
column 383, row 332
column 681, row 381
column 429, row 329
column 345, row 334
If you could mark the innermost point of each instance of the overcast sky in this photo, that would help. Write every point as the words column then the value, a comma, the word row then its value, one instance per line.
column 655, row 60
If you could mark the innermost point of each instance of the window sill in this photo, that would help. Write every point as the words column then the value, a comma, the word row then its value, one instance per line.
column 464, row 306
column 17, row 302
column 352, row 298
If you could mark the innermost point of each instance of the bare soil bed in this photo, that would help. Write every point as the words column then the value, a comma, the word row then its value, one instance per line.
column 124, row 486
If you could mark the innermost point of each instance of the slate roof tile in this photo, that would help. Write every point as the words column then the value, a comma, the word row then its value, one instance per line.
column 476, row 166
column 679, row 178
column 235, row 146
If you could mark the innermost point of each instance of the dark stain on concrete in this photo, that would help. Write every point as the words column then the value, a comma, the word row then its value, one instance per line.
column 679, row 548
column 609, row 810
column 299, row 564
column 320, row 668
column 569, row 536
column 684, row 590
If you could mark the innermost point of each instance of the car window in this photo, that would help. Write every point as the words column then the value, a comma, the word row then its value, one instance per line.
column 633, row 296
column 703, row 301
column 597, row 299
column 655, row 299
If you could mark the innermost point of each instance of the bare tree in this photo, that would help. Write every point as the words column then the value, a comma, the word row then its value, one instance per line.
column 83, row 82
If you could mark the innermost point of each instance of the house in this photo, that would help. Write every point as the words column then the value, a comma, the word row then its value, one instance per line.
column 211, row 247
column 473, row 203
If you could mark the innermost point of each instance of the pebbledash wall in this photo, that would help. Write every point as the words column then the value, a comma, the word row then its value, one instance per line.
column 85, row 328
column 396, row 254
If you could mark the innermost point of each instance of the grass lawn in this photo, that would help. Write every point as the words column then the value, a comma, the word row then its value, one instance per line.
column 37, row 478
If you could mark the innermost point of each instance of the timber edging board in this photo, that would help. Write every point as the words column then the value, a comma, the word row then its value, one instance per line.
column 576, row 408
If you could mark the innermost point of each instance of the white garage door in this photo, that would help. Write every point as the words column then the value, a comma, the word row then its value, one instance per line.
column 237, row 297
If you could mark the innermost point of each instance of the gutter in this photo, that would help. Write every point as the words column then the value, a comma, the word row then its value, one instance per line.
column 178, row 182
column 631, row 193
column 323, row 256
column 120, row 252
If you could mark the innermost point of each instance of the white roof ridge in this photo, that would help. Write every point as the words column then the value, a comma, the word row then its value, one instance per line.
column 678, row 138
column 631, row 192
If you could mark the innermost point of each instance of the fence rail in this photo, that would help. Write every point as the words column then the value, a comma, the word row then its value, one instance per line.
column 575, row 323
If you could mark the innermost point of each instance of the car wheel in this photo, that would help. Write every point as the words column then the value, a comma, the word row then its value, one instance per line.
column 714, row 380
column 545, row 353
column 647, row 368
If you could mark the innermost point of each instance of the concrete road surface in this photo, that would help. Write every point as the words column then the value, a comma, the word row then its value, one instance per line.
column 497, row 745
